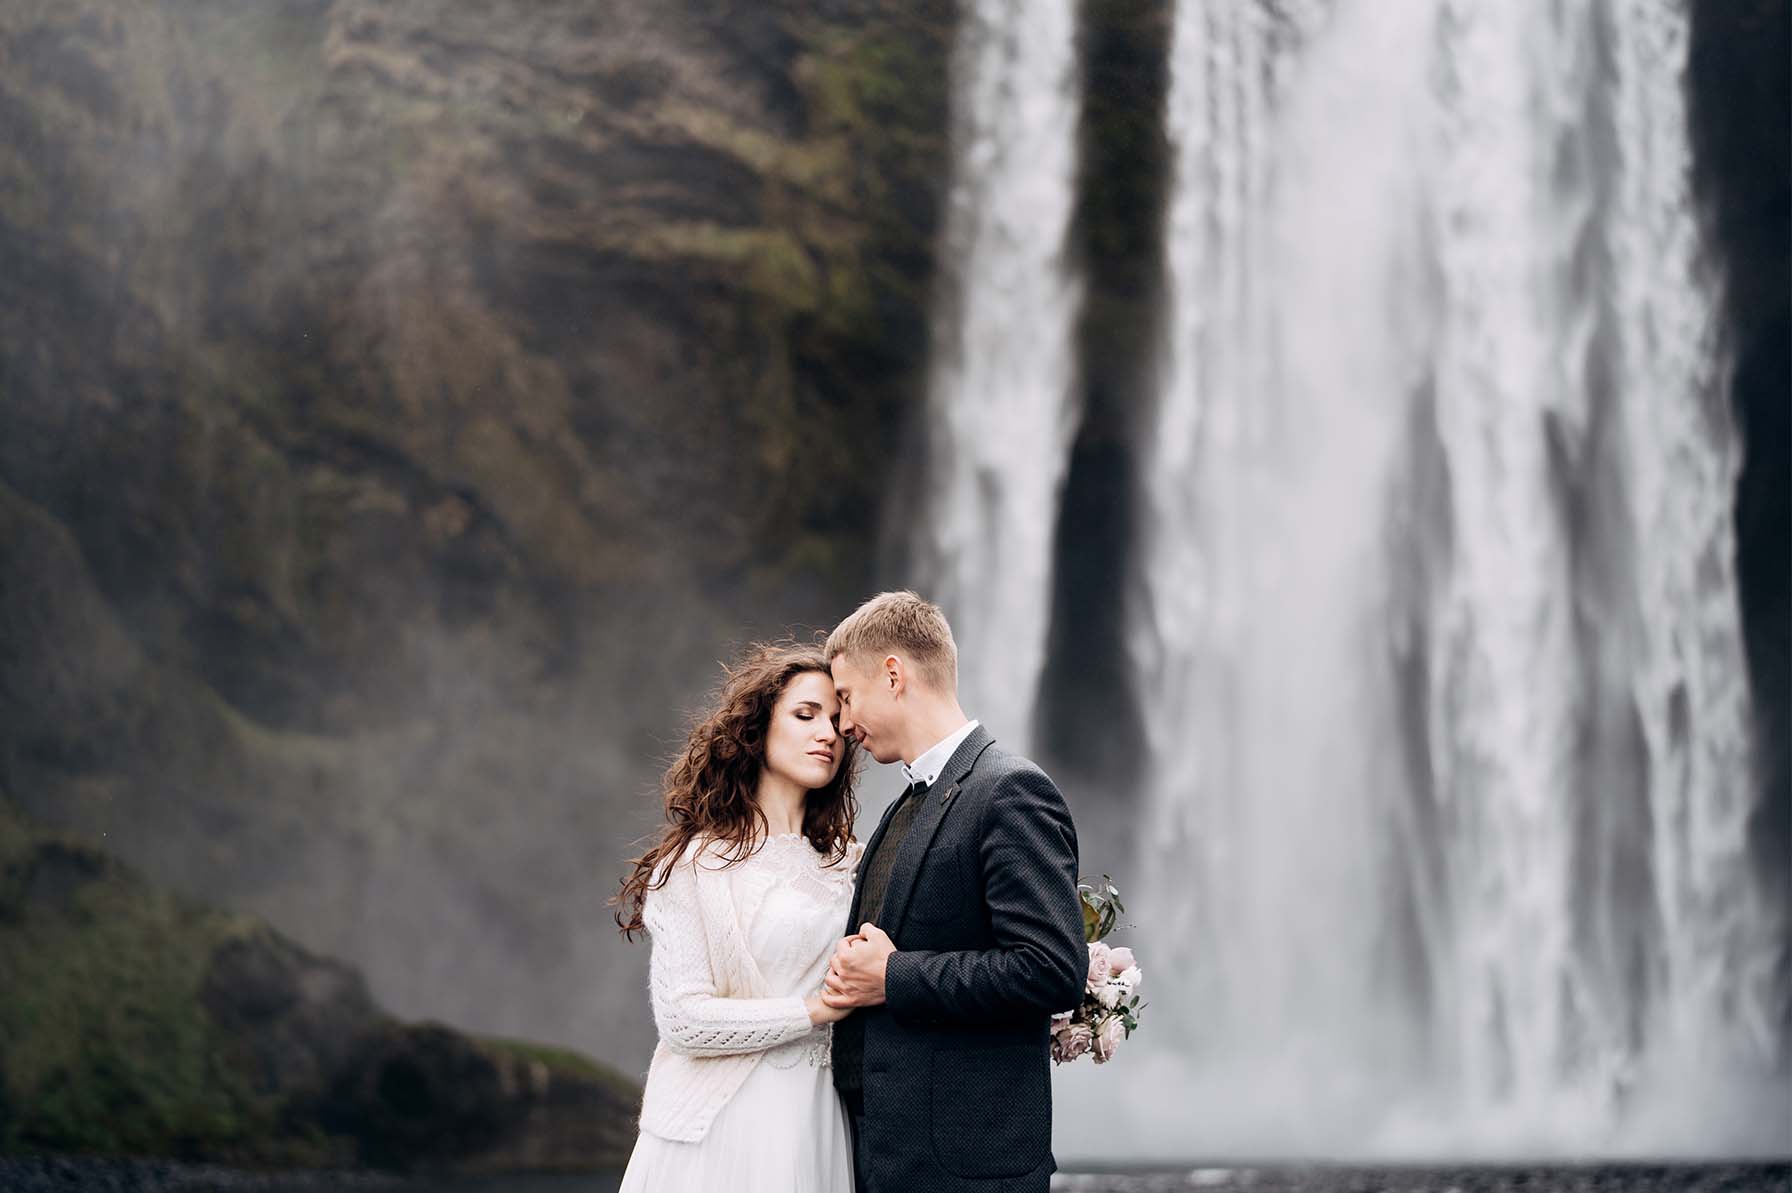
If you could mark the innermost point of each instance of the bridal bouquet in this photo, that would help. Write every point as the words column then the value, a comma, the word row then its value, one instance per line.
column 1110, row 1008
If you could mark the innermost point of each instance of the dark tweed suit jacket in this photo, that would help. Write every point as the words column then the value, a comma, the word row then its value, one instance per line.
column 982, row 905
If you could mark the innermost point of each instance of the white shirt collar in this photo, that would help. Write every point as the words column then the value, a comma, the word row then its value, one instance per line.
column 926, row 769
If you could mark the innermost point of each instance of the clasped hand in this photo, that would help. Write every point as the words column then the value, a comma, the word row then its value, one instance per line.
column 856, row 973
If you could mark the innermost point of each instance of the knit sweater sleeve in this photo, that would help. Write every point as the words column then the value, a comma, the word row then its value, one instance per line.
column 693, row 1018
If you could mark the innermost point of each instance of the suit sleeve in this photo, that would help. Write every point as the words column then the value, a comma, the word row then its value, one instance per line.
column 1040, row 961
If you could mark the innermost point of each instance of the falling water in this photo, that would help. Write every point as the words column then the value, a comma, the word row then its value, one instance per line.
column 1435, row 620
column 1001, row 408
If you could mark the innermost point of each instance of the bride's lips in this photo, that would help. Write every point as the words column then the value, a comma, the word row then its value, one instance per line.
column 824, row 755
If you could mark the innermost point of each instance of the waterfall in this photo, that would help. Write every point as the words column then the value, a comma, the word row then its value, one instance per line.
column 1434, row 616
column 1001, row 411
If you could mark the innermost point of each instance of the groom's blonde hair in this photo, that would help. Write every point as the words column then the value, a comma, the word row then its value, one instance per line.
column 900, row 623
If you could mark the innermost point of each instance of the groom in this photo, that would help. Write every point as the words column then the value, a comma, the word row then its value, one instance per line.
column 969, row 929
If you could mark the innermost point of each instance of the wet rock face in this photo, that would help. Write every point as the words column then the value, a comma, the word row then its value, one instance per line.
column 422, row 1092
column 339, row 330
column 50, row 877
column 1739, row 88
column 138, row 1022
column 402, row 406
column 424, row 1097
column 297, row 1017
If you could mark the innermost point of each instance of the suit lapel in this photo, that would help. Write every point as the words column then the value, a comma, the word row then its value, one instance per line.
column 941, row 798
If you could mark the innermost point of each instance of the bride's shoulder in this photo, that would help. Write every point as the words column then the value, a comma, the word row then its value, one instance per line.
column 708, row 851
column 703, row 847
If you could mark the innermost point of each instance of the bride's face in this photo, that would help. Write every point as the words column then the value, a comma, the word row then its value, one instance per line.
column 803, row 742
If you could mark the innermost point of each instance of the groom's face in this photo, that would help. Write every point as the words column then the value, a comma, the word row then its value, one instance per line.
column 869, row 710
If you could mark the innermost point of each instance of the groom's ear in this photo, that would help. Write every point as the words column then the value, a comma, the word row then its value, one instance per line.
column 894, row 678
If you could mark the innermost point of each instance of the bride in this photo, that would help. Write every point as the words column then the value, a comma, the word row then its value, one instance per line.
column 743, row 895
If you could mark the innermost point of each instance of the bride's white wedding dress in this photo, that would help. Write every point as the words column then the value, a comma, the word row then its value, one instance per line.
column 783, row 1130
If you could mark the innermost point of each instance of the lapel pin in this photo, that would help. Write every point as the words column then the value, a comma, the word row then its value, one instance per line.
column 950, row 792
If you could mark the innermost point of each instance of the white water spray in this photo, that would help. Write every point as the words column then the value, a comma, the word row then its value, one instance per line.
column 1002, row 411
column 1435, row 619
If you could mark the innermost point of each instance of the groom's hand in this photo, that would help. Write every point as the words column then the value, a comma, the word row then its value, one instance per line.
column 856, row 974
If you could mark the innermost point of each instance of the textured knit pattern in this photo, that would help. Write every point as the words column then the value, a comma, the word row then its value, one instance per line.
column 720, row 1009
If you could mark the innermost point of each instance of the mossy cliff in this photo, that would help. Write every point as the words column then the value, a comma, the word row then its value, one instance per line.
column 402, row 406
column 139, row 1022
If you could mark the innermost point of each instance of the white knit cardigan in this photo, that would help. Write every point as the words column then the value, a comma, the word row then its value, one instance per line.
column 709, row 1004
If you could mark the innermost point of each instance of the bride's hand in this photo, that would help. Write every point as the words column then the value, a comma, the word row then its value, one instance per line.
column 820, row 1012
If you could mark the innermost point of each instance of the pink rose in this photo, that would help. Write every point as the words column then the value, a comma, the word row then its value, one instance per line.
column 1098, row 965
column 1120, row 960
column 1107, row 1040
column 1071, row 1040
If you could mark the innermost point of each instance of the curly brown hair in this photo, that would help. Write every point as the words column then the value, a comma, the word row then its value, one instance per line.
column 709, row 789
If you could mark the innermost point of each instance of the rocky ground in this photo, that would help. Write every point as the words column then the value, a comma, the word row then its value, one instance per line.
column 115, row 1176
column 1592, row 1178
column 34, row 1174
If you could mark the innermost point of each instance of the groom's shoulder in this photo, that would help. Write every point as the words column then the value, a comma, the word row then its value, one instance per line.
column 999, row 767
column 1004, row 784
